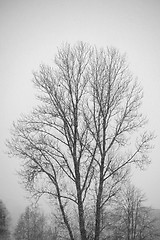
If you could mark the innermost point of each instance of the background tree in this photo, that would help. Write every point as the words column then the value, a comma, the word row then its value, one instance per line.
column 31, row 225
column 4, row 222
column 131, row 219
column 78, row 144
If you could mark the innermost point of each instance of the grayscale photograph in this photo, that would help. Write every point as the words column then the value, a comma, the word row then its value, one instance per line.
column 80, row 121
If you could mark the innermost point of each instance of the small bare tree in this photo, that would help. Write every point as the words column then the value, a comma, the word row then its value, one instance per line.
column 132, row 220
column 77, row 145
column 32, row 225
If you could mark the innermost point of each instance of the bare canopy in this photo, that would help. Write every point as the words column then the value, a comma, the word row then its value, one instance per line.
column 78, row 144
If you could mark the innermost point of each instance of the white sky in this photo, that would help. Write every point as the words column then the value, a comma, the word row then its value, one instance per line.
column 30, row 32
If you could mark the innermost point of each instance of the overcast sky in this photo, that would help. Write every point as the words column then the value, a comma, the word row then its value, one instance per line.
column 31, row 31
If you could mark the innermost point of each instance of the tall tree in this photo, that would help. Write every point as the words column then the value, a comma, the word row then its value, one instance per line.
column 78, row 143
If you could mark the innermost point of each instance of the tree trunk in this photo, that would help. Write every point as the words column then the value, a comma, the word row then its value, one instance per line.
column 64, row 215
column 98, row 205
column 80, row 208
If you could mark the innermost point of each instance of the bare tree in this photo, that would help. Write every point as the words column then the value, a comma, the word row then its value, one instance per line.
column 32, row 225
column 132, row 220
column 78, row 144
